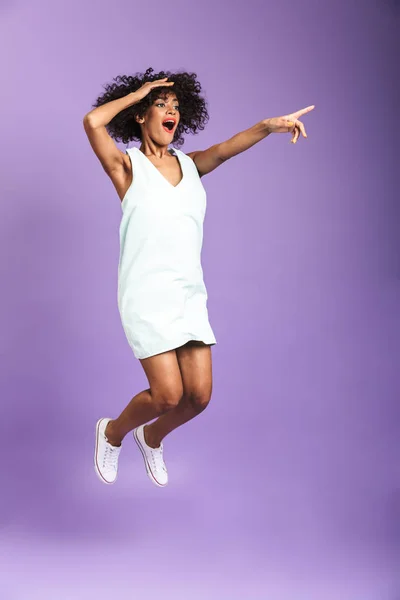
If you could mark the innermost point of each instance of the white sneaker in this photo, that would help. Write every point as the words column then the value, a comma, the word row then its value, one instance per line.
column 153, row 458
column 105, row 455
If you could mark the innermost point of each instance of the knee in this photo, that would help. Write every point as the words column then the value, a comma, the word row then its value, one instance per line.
column 168, row 398
column 199, row 400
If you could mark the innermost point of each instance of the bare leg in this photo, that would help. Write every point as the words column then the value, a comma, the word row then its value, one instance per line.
column 164, row 394
column 196, row 369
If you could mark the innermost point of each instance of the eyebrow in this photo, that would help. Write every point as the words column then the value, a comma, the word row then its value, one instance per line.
column 163, row 99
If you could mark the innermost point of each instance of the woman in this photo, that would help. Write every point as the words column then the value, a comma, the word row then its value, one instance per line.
column 162, row 298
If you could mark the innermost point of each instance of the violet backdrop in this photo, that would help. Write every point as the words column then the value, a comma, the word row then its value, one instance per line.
column 287, row 487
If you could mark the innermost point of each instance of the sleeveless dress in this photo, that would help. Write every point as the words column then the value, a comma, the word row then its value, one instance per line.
column 162, row 298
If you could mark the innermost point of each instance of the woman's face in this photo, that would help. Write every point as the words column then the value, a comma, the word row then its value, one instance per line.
column 162, row 118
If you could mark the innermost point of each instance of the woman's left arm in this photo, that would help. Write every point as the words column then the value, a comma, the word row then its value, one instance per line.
column 208, row 160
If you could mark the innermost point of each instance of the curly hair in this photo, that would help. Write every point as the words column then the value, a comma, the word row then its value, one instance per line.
column 192, row 107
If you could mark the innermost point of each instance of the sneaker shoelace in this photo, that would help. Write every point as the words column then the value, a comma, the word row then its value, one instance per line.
column 110, row 458
column 157, row 458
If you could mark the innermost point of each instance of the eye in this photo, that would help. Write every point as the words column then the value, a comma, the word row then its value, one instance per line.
column 163, row 104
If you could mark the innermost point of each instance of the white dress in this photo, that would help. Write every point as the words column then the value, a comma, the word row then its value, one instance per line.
column 162, row 298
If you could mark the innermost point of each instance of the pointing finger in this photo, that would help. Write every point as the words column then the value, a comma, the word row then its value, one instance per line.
column 303, row 111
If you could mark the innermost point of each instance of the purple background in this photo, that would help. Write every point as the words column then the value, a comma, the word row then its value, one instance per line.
column 287, row 487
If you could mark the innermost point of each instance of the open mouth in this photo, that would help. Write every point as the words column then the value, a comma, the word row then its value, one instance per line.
column 168, row 124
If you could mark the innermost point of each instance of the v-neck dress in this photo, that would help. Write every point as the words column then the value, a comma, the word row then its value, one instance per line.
column 162, row 297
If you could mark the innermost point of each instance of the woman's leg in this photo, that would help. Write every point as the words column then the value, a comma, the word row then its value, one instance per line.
column 195, row 366
column 164, row 394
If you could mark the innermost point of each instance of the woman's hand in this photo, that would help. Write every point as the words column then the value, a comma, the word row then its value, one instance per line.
column 289, row 123
column 148, row 86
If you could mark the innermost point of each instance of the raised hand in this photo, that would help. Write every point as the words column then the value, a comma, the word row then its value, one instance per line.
column 290, row 123
column 149, row 85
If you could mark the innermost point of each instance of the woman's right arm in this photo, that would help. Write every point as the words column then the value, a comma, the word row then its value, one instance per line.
column 113, row 160
column 94, row 122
